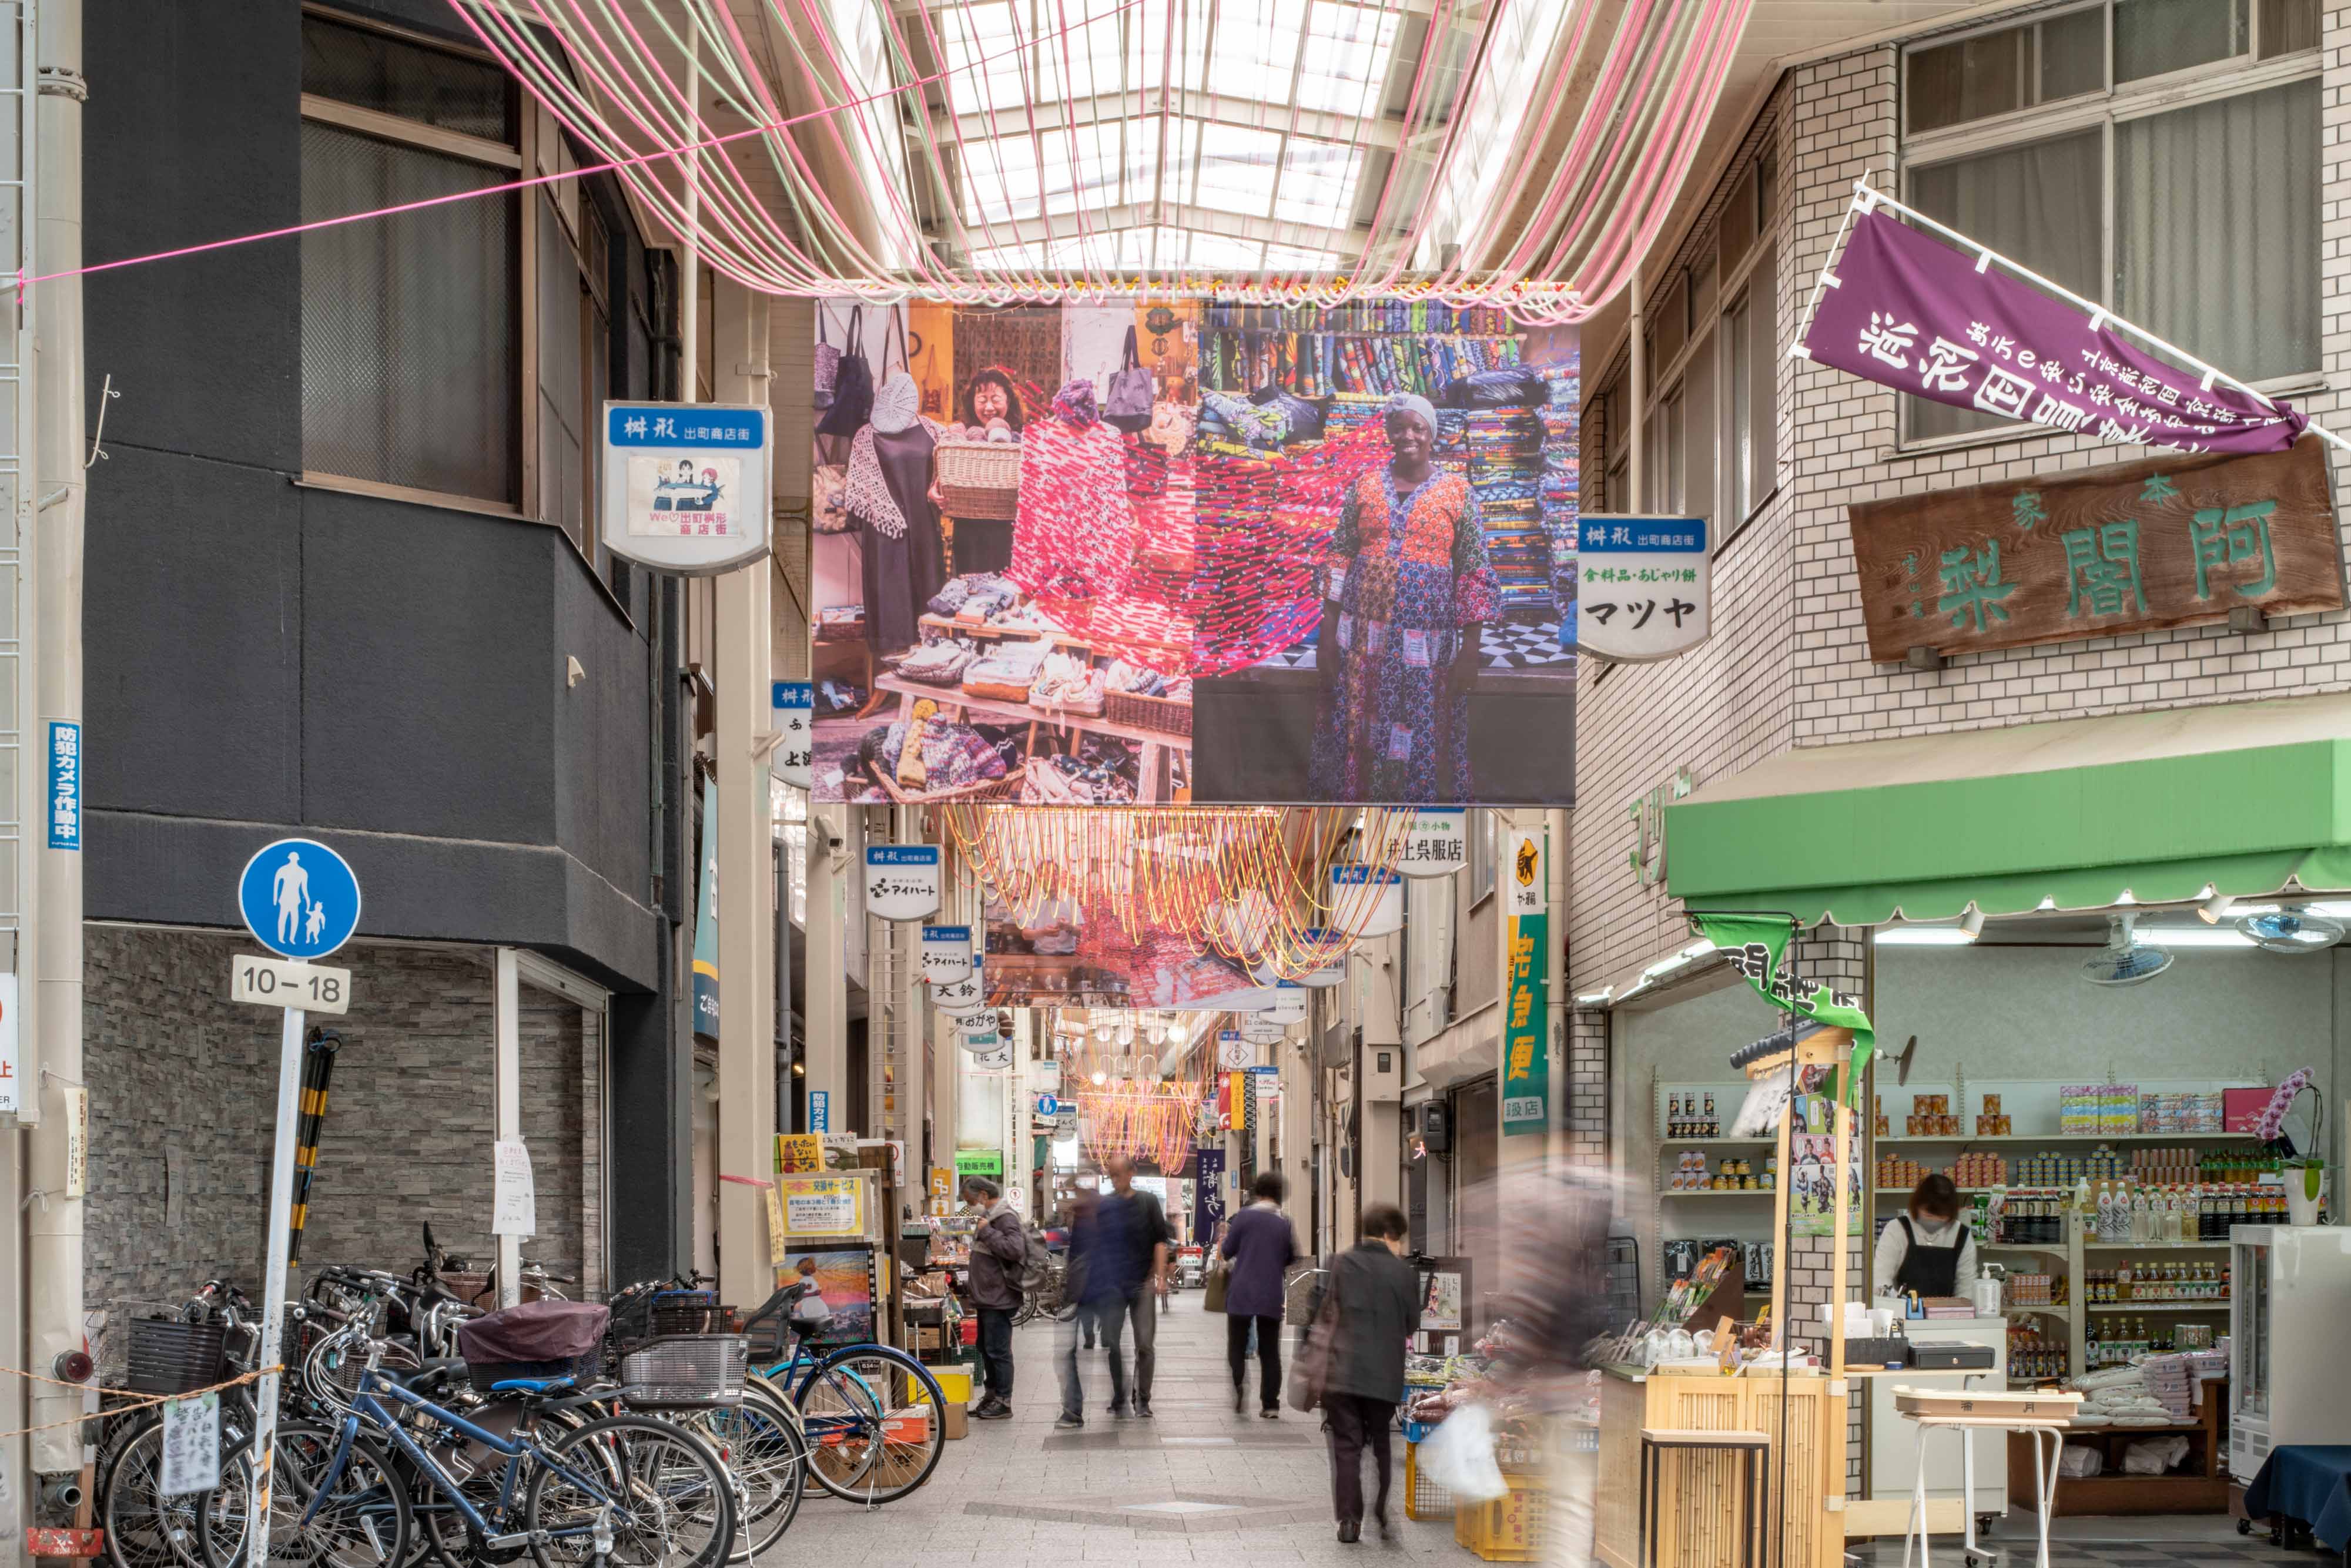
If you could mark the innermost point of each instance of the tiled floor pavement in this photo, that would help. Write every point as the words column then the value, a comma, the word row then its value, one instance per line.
column 1199, row 1484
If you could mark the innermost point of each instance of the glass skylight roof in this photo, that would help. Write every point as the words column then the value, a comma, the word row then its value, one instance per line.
column 1270, row 107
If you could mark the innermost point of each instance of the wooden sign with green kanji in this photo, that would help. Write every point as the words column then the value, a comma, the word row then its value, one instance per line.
column 2170, row 541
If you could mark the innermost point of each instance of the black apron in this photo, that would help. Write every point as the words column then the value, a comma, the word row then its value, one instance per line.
column 1928, row 1271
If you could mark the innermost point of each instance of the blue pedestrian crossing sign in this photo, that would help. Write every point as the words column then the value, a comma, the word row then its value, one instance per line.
column 299, row 899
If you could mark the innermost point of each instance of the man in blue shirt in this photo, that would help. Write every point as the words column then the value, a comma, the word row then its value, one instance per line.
column 1120, row 1251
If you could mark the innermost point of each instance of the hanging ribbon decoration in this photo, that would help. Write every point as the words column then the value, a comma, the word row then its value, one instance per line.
column 1250, row 883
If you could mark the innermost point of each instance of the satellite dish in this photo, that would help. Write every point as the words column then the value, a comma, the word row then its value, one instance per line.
column 2288, row 931
column 2125, row 962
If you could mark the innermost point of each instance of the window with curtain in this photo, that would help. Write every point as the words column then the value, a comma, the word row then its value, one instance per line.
column 409, row 324
column 2196, row 122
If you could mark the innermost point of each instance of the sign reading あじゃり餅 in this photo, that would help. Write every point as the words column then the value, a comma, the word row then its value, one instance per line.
column 1644, row 587
column 685, row 485
column 902, row 881
column 2168, row 542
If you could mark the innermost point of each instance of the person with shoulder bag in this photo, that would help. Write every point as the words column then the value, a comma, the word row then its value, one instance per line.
column 1000, row 1251
column 1259, row 1247
column 1377, row 1301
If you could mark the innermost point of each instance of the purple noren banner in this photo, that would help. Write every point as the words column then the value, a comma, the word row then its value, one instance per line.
column 1909, row 311
column 1207, row 1196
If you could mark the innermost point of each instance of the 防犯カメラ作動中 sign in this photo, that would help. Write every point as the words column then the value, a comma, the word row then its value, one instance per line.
column 2169, row 542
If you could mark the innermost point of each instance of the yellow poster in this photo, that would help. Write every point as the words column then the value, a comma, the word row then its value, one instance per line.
column 798, row 1152
column 816, row 1206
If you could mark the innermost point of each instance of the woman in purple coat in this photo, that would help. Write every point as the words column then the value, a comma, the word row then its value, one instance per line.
column 1258, row 1242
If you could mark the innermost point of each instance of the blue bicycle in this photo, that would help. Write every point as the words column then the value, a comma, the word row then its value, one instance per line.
column 870, row 1413
column 626, row 1490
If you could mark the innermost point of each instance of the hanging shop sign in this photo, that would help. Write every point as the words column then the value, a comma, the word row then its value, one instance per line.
column 1909, row 311
column 946, row 954
column 1375, row 893
column 1330, row 970
column 1645, row 587
column 981, row 1034
column 979, row 1163
column 962, row 998
column 685, row 485
column 1262, row 1032
column 1045, row 1076
column 1234, row 1055
column 902, row 881
column 1208, row 1193
column 1436, row 845
column 793, row 706
column 2168, row 542
column 1526, row 1061
column 1288, row 1003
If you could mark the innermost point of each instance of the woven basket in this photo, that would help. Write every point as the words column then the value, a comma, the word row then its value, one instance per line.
column 980, row 480
column 1007, row 789
column 1168, row 715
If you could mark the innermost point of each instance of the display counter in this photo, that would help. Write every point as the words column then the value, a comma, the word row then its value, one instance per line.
column 1699, row 1507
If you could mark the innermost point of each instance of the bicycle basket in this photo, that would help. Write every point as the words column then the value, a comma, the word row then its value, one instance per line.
column 684, row 1371
column 168, row 1356
column 672, row 1318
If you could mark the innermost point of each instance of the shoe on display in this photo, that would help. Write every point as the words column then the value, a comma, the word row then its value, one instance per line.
column 1351, row 1530
column 1069, row 1420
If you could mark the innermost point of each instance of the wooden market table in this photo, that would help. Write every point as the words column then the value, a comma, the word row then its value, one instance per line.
column 1153, row 785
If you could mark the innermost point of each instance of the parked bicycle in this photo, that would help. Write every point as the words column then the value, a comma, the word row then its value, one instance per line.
column 867, row 1440
column 144, row 1528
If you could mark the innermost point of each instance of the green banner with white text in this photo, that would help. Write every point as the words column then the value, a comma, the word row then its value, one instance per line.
column 1756, row 945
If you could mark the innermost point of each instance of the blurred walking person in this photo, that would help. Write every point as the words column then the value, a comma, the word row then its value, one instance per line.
column 1076, row 1275
column 1262, row 1247
column 1378, row 1306
column 999, row 1247
column 1122, row 1248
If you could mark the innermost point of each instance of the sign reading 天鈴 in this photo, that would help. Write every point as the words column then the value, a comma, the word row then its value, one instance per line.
column 2177, row 540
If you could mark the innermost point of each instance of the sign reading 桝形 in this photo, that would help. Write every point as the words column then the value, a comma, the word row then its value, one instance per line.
column 902, row 881
column 793, row 706
column 1645, row 587
column 685, row 485
column 1367, row 899
column 2169, row 542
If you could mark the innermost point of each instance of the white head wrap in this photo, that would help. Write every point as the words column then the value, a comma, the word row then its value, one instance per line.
column 899, row 401
column 1418, row 407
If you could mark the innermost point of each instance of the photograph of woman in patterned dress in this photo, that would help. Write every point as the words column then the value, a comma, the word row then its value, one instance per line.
column 1408, row 591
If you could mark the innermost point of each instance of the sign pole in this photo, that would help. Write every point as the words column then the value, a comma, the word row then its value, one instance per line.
column 272, row 1289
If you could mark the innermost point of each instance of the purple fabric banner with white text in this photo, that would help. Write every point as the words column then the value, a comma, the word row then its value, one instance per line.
column 1909, row 311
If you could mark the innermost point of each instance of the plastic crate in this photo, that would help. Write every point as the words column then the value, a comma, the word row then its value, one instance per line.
column 1508, row 1530
column 1422, row 1498
column 684, row 1371
column 168, row 1356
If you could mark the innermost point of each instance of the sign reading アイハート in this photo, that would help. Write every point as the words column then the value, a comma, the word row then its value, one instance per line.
column 902, row 881
column 2168, row 542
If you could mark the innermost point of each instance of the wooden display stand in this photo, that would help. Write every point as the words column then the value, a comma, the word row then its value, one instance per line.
column 1699, row 1505
column 2202, row 1487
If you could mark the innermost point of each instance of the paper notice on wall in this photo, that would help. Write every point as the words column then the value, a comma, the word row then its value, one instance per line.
column 514, row 1202
column 191, row 1445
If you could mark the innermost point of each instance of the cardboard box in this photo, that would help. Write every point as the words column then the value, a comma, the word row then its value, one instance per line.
column 2241, row 1109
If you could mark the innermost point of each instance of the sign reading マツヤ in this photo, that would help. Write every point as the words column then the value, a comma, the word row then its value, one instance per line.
column 2168, row 542
column 299, row 899
column 685, row 485
column 902, row 881
column 1645, row 587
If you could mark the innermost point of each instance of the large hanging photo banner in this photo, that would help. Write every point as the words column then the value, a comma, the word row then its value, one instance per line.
column 1141, row 553
column 1906, row 309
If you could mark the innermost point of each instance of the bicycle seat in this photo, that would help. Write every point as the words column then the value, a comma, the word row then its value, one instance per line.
column 531, row 1385
column 435, row 1370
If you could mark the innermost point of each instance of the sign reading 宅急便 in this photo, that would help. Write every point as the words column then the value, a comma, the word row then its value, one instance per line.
column 1368, row 900
column 685, row 485
column 1436, row 845
column 902, row 881
column 2168, row 542
column 1645, row 587
column 1526, row 1064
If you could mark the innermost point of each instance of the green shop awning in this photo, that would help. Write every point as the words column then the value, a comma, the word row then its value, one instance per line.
column 2251, row 798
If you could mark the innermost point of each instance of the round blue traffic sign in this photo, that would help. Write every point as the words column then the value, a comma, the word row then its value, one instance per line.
column 299, row 899
column 1048, row 1105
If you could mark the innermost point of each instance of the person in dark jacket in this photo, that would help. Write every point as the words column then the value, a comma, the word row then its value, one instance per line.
column 1261, row 1248
column 1378, row 1308
column 1121, row 1252
column 1000, row 1249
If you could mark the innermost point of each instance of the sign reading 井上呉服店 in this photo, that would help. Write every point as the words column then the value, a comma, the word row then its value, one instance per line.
column 2170, row 541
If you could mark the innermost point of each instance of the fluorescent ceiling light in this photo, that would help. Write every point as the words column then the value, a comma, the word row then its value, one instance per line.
column 1923, row 936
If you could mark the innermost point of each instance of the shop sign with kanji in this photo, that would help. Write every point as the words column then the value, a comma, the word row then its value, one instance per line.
column 2170, row 541
column 1645, row 587
column 902, row 881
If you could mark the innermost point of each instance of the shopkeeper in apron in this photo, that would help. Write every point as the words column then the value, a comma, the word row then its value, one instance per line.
column 1927, row 1250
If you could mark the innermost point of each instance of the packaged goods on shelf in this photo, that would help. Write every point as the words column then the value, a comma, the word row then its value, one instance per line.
column 2098, row 1108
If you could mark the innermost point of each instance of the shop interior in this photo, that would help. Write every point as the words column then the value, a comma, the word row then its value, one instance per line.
column 2121, row 1054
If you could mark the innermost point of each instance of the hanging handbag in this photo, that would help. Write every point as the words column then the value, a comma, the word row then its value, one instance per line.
column 852, row 384
column 828, row 362
column 1128, row 405
column 934, row 399
column 1212, row 1288
column 1310, row 1369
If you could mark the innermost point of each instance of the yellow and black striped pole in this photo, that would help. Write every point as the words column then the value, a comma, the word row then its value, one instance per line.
column 318, row 1070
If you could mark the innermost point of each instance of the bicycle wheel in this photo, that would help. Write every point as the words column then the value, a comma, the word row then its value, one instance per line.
column 760, row 1443
column 869, row 1441
column 361, row 1521
column 655, row 1490
column 145, row 1529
